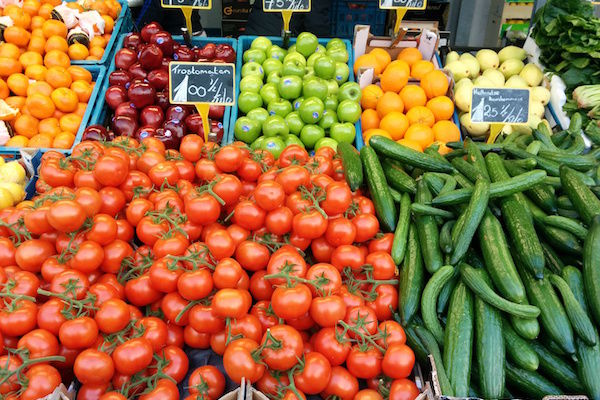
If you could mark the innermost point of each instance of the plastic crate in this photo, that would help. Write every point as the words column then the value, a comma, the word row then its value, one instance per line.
column 123, row 24
column 244, row 43
column 347, row 13
column 32, row 166
column 98, row 74
column 101, row 112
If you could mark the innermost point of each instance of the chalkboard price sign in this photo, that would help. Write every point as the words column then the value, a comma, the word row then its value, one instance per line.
column 500, row 105
column 196, row 83
column 406, row 4
column 196, row 4
column 286, row 5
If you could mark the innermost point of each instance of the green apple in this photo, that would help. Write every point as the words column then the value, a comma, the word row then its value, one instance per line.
column 314, row 87
column 254, row 55
column 248, row 101
column 331, row 102
column 306, row 44
column 276, row 52
column 298, row 102
column 310, row 72
column 349, row 91
column 313, row 57
column 257, row 144
column 273, row 145
column 274, row 77
column 280, row 107
column 272, row 65
column 311, row 134
column 336, row 42
column 246, row 129
column 294, row 56
column 295, row 123
column 311, row 110
column 342, row 72
column 275, row 125
column 320, row 49
column 252, row 68
column 326, row 142
column 291, row 139
column 292, row 49
column 343, row 132
column 332, row 87
column 348, row 111
column 339, row 54
column 258, row 114
column 261, row 43
column 251, row 83
column 269, row 93
column 293, row 68
column 329, row 118
column 325, row 67
column 290, row 87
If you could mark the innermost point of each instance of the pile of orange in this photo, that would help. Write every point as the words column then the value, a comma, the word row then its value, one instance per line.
column 415, row 114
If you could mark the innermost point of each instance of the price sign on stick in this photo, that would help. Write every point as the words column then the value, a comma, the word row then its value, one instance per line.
column 186, row 8
column 401, row 7
column 286, row 8
column 498, row 107
column 202, row 84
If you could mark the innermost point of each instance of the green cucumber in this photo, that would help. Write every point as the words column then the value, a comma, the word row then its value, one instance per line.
column 578, row 145
column 519, row 350
column 468, row 170
column 462, row 181
column 498, row 260
column 584, row 200
column 401, row 234
column 551, row 167
column 544, row 138
column 566, row 224
column 575, row 161
column 378, row 187
column 526, row 164
column 449, row 186
column 433, row 151
column 523, row 141
column 412, row 278
column 435, row 181
column 591, row 269
column 559, row 137
column 592, row 131
column 353, row 170
column 564, row 202
column 553, row 262
column 534, row 147
column 527, row 328
column 422, row 209
column 429, row 301
column 483, row 147
column 415, row 343
column 427, row 230
column 397, row 178
column 530, row 383
column 446, row 293
column 563, row 241
column 458, row 339
column 581, row 323
column 541, row 195
column 446, row 237
column 389, row 148
column 574, row 279
column 432, row 346
column 588, row 367
column 557, row 369
column 396, row 195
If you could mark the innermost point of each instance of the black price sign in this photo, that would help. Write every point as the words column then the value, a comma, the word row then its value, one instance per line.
column 406, row 4
column 198, row 4
column 500, row 105
column 286, row 5
column 195, row 83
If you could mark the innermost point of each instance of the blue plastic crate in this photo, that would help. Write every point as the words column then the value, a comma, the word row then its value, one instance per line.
column 123, row 24
column 244, row 43
column 98, row 74
column 345, row 14
column 101, row 111
column 35, row 163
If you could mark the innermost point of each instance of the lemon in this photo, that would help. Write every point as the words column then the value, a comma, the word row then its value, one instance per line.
column 17, row 191
column 12, row 172
column 6, row 199
column 2, row 162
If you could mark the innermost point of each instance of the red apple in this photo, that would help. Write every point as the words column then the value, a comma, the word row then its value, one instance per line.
column 216, row 111
column 132, row 41
column 141, row 94
column 183, row 54
column 150, row 57
column 225, row 52
column 127, row 109
column 119, row 78
column 177, row 112
column 158, row 78
column 114, row 96
column 165, row 63
column 162, row 100
column 216, row 127
column 208, row 51
column 193, row 124
column 123, row 125
column 164, row 41
column 125, row 58
column 95, row 132
column 175, row 126
column 144, row 132
column 167, row 137
column 149, row 30
column 137, row 71
column 152, row 116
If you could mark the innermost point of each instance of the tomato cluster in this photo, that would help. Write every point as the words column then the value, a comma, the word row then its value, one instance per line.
column 131, row 251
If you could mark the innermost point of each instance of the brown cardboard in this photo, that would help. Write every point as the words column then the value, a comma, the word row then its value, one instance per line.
column 61, row 393
column 245, row 392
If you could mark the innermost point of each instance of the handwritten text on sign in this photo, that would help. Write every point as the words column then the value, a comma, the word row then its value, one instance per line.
column 193, row 83
column 286, row 5
column 408, row 4
column 500, row 105
column 200, row 4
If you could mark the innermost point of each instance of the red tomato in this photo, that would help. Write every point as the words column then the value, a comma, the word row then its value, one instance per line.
column 326, row 343
column 392, row 333
column 326, row 276
column 204, row 320
column 291, row 302
column 78, row 333
column 315, row 375
column 260, row 288
column 40, row 343
column 282, row 347
column 111, row 170
column 279, row 220
column 93, row 367
column 177, row 362
column 229, row 158
column 132, row 356
column 386, row 301
column 364, row 364
column 398, row 361
column 383, row 265
column 220, row 244
column 403, row 389
column 337, row 199
column 293, row 155
column 202, row 209
column 368, row 394
column 31, row 254
column 340, row 231
column 42, row 379
column 239, row 362
column 207, row 381
column 195, row 285
column 269, row 195
column 233, row 303
column 288, row 260
column 309, row 224
column 347, row 256
column 20, row 320
column 155, row 331
column 367, row 227
column 248, row 215
column 342, row 384
column 112, row 316
column 327, row 311
column 228, row 188
column 227, row 273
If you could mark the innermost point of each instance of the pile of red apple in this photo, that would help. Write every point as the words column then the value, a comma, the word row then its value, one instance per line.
column 138, row 92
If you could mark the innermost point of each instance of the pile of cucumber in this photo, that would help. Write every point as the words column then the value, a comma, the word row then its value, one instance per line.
column 498, row 247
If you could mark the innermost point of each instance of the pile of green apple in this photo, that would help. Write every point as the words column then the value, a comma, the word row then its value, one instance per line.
column 296, row 96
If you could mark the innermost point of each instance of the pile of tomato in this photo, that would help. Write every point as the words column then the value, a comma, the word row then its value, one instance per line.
column 130, row 252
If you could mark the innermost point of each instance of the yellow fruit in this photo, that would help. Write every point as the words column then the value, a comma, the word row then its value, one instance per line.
column 17, row 192
column 5, row 199
column 12, row 172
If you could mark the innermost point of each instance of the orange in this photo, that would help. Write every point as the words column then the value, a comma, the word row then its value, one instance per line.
column 389, row 102
column 403, row 65
column 54, row 27
column 441, row 107
column 40, row 140
column 393, row 79
column 4, row 90
column 420, row 68
column 58, row 77
column 421, row 115
column 435, row 83
column 70, row 122
column 100, row 6
column 75, row 6
column 383, row 57
column 18, row 84
column 410, row 54
column 92, row 58
column 63, row 140
column 374, row 132
column 79, row 73
column 46, row 10
column 40, row 106
column 446, row 131
column 19, row 17
column 96, row 52
column 82, row 89
column 396, row 124
column 369, row 120
column 410, row 144
column 26, row 125
column 36, row 72
column 81, row 107
column 17, row 36
column 17, row 141
column 65, row 99
column 49, row 126
column 98, row 41
column 413, row 96
column 421, row 134
column 78, row 51
column 36, row 23
column 31, row 7
column 109, row 23
column 37, row 44
column 9, row 50
column 367, row 61
column 16, row 101
column 370, row 96
column 55, row 58
column 30, row 58
column 40, row 87
column 56, row 43
column 58, row 114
